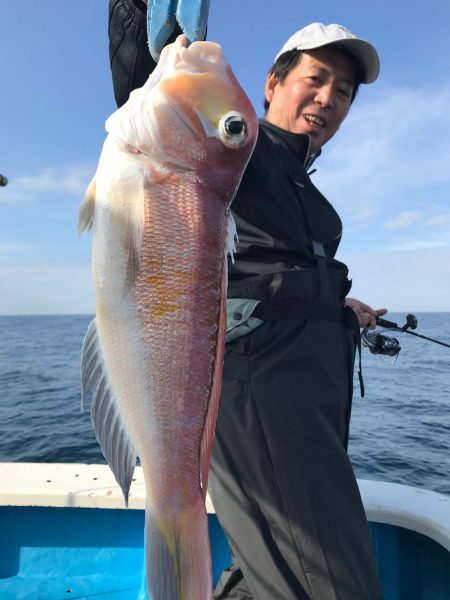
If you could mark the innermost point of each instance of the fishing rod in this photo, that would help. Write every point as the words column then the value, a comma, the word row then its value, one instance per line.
column 382, row 344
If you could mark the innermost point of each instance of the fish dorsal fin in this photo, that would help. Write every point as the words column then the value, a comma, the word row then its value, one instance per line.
column 213, row 405
column 109, row 427
column 87, row 208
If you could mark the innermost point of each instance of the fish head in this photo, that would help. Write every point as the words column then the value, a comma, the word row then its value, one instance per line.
column 193, row 116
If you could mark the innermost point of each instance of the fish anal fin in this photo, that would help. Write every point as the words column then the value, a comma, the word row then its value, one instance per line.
column 87, row 208
column 109, row 427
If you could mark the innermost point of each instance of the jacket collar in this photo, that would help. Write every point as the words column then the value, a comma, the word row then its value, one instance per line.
column 298, row 143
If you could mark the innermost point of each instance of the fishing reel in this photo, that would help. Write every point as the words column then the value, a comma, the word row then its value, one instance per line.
column 380, row 344
column 3, row 181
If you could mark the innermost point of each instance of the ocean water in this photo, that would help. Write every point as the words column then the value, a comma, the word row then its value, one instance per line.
column 400, row 431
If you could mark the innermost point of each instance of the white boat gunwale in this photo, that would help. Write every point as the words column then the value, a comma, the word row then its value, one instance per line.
column 72, row 485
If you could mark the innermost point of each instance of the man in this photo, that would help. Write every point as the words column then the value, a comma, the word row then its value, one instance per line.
column 280, row 478
column 281, row 481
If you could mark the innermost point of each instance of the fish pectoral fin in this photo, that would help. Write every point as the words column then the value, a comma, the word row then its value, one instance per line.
column 133, row 236
column 232, row 237
column 87, row 209
column 108, row 423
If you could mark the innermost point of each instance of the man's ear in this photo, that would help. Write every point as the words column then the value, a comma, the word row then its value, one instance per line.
column 269, row 89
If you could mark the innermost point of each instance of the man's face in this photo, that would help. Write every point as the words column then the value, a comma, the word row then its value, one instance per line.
column 315, row 97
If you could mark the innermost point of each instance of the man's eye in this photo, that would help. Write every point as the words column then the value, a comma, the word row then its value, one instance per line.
column 345, row 93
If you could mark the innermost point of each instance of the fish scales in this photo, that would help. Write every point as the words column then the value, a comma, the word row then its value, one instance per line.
column 159, row 206
column 180, row 325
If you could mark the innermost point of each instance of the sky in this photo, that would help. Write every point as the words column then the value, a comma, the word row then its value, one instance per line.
column 387, row 170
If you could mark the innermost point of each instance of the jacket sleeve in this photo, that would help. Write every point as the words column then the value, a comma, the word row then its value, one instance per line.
column 130, row 59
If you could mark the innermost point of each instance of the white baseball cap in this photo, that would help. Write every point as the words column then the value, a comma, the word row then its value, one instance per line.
column 317, row 35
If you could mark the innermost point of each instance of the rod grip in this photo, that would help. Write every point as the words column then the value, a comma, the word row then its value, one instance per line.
column 387, row 324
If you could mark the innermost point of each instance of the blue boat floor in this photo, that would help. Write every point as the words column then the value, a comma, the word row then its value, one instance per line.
column 69, row 553
column 80, row 588
column 76, row 553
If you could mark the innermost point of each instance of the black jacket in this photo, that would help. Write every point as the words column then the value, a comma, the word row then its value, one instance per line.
column 278, row 209
column 278, row 213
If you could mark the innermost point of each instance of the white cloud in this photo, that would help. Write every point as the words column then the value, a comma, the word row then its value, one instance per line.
column 390, row 150
column 46, row 289
column 438, row 220
column 365, row 212
column 403, row 220
column 408, row 281
column 402, row 281
column 443, row 241
column 72, row 180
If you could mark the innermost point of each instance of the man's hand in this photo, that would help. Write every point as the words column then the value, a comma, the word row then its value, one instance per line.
column 367, row 316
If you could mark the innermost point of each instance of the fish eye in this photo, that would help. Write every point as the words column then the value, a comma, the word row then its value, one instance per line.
column 234, row 126
column 233, row 130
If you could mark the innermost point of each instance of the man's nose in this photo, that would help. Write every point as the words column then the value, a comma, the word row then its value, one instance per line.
column 325, row 96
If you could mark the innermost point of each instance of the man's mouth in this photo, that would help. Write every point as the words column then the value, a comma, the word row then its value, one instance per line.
column 315, row 121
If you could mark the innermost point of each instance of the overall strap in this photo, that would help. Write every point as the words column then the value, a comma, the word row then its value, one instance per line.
column 351, row 320
column 324, row 276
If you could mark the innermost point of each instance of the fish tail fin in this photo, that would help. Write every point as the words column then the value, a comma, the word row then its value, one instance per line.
column 178, row 555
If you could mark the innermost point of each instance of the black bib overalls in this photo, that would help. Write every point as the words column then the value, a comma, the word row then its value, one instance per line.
column 280, row 478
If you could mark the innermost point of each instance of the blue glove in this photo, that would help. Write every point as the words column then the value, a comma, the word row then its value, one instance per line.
column 162, row 15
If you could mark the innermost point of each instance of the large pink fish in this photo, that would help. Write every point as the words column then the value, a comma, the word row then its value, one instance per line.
column 160, row 208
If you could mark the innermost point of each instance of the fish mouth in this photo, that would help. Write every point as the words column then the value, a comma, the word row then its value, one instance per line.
column 182, row 41
column 198, row 57
column 315, row 120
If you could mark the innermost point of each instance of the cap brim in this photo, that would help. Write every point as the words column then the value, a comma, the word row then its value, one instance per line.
column 365, row 54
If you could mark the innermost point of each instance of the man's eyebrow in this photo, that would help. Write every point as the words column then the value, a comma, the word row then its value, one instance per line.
column 350, row 82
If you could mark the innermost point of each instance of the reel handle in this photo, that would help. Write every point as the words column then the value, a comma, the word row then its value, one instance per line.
column 411, row 322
